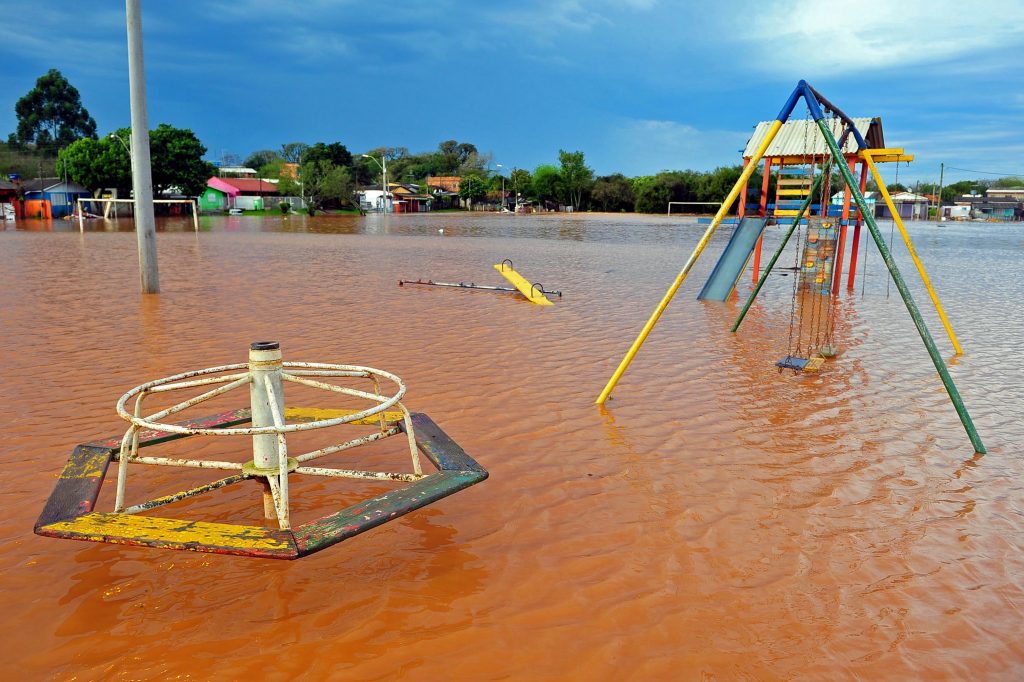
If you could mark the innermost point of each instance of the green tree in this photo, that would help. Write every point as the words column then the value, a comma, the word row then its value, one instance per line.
column 715, row 185
column 613, row 193
column 522, row 183
column 546, row 180
column 653, row 193
column 292, row 151
column 176, row 156
column 177, row 160
column 896, row 187
column 956, row 189
column 452, row 155
column 576, row 178
column 97, row 164
column 472, row 188
column 336, row 153
column 326, row 184
column 262, row 157
column 51, row 114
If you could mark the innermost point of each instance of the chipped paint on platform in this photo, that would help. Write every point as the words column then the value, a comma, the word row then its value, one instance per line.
column 309, row 414
column 200, row 536
column 150, row 437
column 68, row 513
column 87, row 462
column 329, row 530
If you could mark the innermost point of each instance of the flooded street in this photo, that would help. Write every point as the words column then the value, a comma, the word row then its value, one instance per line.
column 718, row 520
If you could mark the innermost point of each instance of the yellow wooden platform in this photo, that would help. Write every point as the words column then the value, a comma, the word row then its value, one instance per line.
column 221, row 538
column 521, row 283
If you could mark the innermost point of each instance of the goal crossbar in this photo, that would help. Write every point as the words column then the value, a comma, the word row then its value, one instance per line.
column 108, row 200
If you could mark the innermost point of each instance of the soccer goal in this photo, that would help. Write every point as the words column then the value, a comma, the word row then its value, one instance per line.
column 108, row 202
column 692, row 203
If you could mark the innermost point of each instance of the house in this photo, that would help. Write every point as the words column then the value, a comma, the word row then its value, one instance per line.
column 9, row 205
column 1001, row 206
column 447, row 183
column 401, row 198
column 837, row 200
column 1005, row 193
column 245, row 193
column 51, row 197
column 444, row 190
column 236, row 172
column 407, row 199
column 909, row 206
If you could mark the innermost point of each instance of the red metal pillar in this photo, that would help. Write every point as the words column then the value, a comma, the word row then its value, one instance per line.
column 856, row 229
column 837, row 274
column 764, row 214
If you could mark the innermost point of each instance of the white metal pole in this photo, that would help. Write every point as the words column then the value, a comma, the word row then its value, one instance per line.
column 384, row 168
column 142, row 177
column 265, row 362
column 81, row 220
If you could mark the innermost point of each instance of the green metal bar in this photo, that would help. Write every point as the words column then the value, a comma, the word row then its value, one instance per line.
column 901, row 286
column 778, row 252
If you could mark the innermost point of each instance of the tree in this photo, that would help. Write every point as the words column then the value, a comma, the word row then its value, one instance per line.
column 176, row 157
column 472, row 188
column 325, row 183
column 97, row 164
column 521, row 181
column 51, row 115
column 613, row 193
column 545, row 183
column 576, row 178
column 262, row 157
column 177, row 160
column 896, row 187
column 336, row 153
column 292, row 151
column 715, row 185
column 454, row 154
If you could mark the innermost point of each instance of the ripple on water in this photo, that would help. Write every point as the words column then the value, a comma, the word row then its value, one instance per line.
column 716, row 518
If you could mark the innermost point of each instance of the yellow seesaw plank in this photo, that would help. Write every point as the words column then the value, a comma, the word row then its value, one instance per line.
column 524, row 287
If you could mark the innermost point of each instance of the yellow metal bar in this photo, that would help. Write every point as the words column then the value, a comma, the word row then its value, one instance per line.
column 886, row 154
column 868, row 156
column 801, row 192
column 519, row 282
column 309, row 414
column 701, row 245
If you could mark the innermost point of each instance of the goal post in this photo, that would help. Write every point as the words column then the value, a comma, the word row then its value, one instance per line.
column 692, row 203
column 109, row 201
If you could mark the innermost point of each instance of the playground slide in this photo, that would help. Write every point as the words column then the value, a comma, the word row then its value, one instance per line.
column 734, row 259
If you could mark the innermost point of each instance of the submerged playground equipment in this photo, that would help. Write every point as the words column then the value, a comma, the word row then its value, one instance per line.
column 820, row 257
column 534, row 293
column 69, row 513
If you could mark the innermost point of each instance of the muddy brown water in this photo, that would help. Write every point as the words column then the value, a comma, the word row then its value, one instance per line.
column 719, row 520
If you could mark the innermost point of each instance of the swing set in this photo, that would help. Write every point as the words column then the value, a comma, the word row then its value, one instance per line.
column 804, row 179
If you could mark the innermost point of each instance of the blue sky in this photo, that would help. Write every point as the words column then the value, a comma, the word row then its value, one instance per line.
column 638, row 85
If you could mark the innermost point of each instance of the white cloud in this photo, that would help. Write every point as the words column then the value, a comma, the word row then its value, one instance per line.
column 814, row 38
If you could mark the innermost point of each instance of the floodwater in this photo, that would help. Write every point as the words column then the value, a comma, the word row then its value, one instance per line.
column 719, row 520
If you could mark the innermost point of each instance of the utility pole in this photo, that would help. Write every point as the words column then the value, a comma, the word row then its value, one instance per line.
column 142, row 175
column 942, row 173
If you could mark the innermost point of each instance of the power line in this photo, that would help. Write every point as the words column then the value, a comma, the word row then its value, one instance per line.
column 1005, row 175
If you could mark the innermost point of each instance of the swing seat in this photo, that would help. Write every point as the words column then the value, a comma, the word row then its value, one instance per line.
column 801, row 364
column 792, row 362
